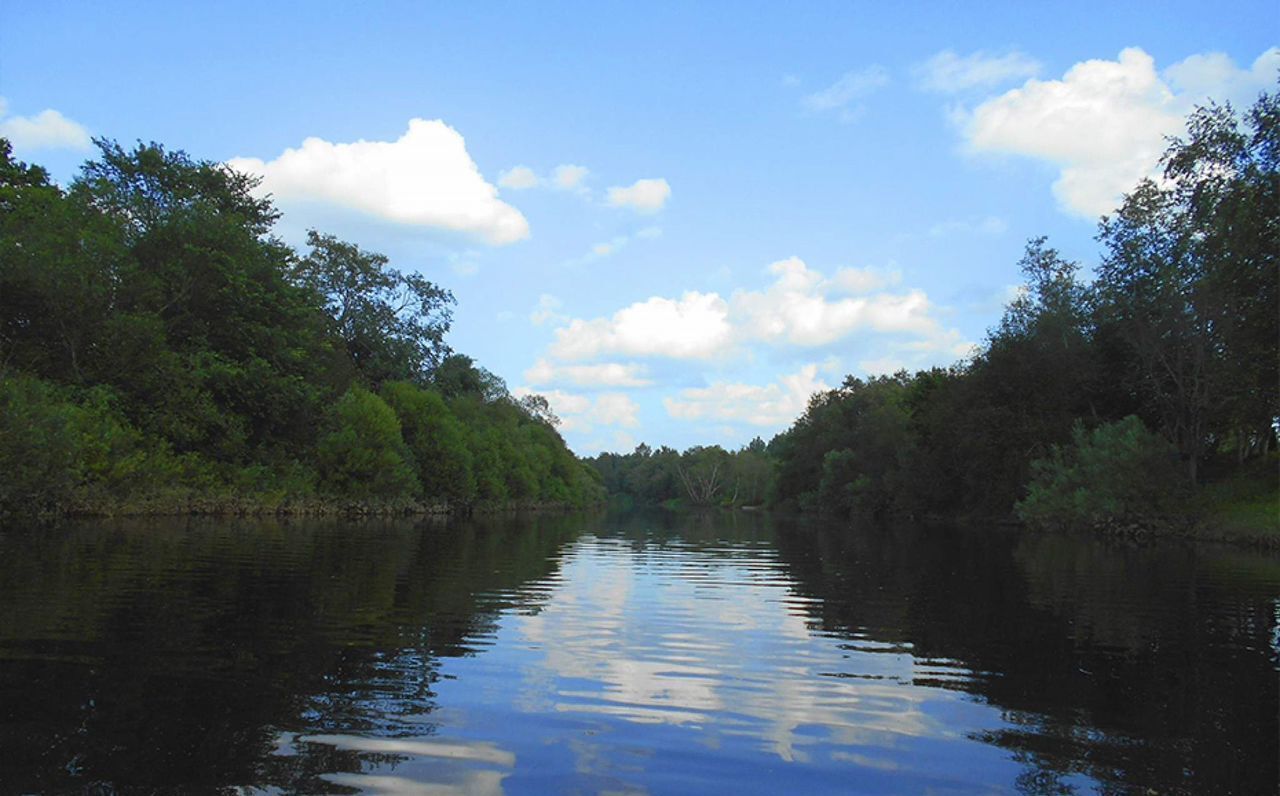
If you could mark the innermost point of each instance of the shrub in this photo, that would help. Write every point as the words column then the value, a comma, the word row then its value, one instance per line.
column 363, row 454
column 1117, row 473
column 39, row 450
column 437, row 440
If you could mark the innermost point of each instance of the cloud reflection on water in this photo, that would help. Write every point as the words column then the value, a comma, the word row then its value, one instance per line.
column 717, row 644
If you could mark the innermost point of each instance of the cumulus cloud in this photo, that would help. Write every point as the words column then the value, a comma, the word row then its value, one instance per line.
column 851, row 86
column 605, row 374
column 695, row 326
column 773, row 404
column 581, row 413
column 565, row 177
column 643, row 196
column 950, row 73
column 1104, row 123
column 48, row 129
column 801, row 308
column 518, row 178
column 424, row 178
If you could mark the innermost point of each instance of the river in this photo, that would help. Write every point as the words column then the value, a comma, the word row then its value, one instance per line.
column 642, row 653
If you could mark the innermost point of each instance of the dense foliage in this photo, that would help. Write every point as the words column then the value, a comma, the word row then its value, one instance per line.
column 160, row 348
column 1089, row 402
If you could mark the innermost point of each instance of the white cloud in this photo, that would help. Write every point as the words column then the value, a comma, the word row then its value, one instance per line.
column 1104, row 123
column 643, row 196
column 568, row 176
column 801, row 308
column 851, row 86
column 580, row 413
column 48, row 129
column 950, row 73
column 605, row 374
column 758, row 405
column 798, row 308
column 519, row 178
column 565, row 177
column 425, row 178
column 695, row 326
column 862, row 280
column 547, row 310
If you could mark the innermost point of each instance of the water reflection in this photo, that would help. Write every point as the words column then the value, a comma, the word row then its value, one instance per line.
column 706, row 653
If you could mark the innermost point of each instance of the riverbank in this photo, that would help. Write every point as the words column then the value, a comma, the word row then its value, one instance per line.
column 276, row 506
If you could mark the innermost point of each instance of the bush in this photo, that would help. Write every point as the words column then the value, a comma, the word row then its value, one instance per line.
column 363, row 454
column 39, row 448
column 1118, row 473
column 437, row 440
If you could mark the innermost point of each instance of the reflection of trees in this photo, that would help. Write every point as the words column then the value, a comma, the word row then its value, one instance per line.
column 147, row 655
column 176, row 654
column 1133, row 666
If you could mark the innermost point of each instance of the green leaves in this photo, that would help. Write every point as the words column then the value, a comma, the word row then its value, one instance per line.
column 363, row 455
column 392, row 324
column 1114, row 474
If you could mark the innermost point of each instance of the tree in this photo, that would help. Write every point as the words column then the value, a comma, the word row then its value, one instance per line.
column 197, row 321
column 1117, row 473
column 363, row 455
column 393, row 324
column 458, row 375
column 1190, row 280
column 437, row 440
column 61, row 265
column 703, row 472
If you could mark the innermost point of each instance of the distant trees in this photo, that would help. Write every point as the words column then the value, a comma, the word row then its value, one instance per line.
column 700, row 476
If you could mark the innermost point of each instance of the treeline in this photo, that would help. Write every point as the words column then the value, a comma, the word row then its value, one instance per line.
column 161, row 350
column 1102, row 401
column 700, row 476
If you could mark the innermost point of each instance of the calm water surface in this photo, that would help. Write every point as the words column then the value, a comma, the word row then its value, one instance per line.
column 630, row 654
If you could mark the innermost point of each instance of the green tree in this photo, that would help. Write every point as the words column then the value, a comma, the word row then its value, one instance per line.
column 1119, row 472
column 363, row 454
column 393, row 324
column 437, row 440
column 39, row 452
column 1190, row 280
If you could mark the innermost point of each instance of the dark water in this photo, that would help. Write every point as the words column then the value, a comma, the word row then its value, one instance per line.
column 592, row 654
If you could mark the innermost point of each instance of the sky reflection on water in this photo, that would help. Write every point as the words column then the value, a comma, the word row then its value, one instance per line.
column 630, row 655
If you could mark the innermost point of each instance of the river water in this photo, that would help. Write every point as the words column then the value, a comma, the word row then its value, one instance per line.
column 643, row 653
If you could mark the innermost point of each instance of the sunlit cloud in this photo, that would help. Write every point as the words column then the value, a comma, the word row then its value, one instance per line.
column 48, row 129
column 802, row 308
column 642, row 196
column 425, row 178
column 771, row 405
column 1105, row 124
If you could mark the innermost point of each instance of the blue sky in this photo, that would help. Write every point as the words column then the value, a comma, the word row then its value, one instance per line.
column 674, row 220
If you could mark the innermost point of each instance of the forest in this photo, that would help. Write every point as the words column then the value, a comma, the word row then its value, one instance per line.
column 161, row 351
column 1144, row 397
